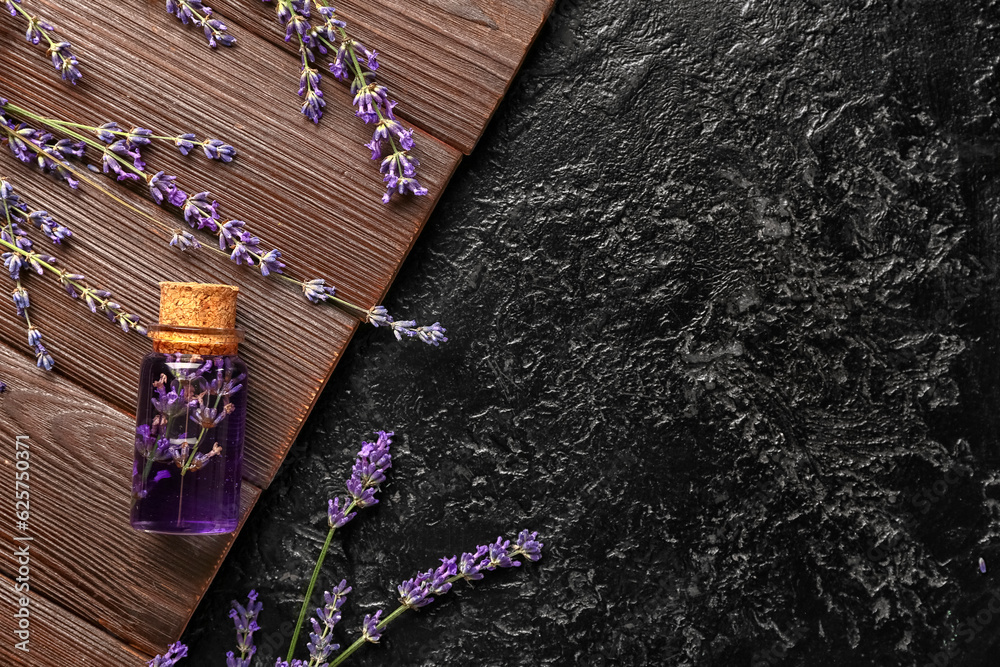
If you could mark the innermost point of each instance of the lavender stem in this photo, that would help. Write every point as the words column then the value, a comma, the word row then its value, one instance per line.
column 312, row 585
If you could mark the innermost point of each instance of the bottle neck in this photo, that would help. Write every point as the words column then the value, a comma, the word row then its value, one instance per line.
column 168, row 339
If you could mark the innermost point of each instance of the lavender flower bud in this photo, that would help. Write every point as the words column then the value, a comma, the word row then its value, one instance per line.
column 316, row 290
column 43, row 359
column 106, row 132
column 369, row 628
column 21, row 301
column 184, row 143
column 215, row 149
column 173, row 655
column 469, row 564
column 528, row 544
column 34, row 337
column 336, row 516
column 3, row 386
column 184, row 240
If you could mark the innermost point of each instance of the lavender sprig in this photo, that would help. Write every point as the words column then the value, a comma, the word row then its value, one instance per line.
column 245, row 619
column 121, row 157
column 391, row 142
column 19, row 253
column 63, row 60
column 201, row 15
column 367, row 474
column 420, row 590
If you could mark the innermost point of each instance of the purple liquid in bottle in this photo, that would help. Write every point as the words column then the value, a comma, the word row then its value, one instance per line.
column 189, row 443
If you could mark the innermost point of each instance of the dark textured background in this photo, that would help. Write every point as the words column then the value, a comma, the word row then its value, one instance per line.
column 720, row 281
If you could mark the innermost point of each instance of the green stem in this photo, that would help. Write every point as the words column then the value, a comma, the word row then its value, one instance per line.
column 312, row 585
column 120, row 133
column 360, row 641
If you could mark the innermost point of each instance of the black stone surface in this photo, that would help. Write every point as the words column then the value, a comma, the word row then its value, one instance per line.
column 720, row 281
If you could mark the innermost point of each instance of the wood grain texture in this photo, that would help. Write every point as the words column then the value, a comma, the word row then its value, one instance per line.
column 330, row 223
column 140, row 587
column 448, row 62
column 58, row 637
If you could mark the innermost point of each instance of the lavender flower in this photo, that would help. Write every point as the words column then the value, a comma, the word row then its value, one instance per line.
column 320, row 639
column 60, row 52
column 469, row 564
column 163, row 189
column 336, row 514
column 245, row 619
column 199, row 14
column 3, row 386
column 216, row 149
column 317, row 290
column 184, row 143
column 173, row 655
column 369, row 628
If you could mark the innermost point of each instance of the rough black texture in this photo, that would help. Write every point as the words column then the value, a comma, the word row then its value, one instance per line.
column 720, row 281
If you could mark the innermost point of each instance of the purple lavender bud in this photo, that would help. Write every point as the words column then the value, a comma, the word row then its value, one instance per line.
column 433, row 334
column 229, row 233
column 139, row 136
column 111, row 165
column 439, row 584
column 499, row 555
column 363, row 497
column 369, row 628
column 34, row 336
column 528, row 544
column 339, row 65
column 270, row 262
column 216, row 149
column 335, row 514
column 184, row 143
column 65, row 62
column 184, row 240
column 982, row 566
column 378, row 316
column 43, row 359
column 316, row 290
column 13, row 12
column 13, row 263
column 106, row 132
column 197, row 210
column 3, row 386
column 173, row 655
column 241, row 254
column 469, row 564
column 414, row 592
column 72, row 147
column 21, row 301
column 162, row 188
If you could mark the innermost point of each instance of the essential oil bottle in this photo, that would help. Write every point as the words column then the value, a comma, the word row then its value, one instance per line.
column 191, row 416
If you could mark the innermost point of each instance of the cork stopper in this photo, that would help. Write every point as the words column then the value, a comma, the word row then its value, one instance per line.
column 196, row 318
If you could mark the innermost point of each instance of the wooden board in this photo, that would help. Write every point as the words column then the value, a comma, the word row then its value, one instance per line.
column 106, row 594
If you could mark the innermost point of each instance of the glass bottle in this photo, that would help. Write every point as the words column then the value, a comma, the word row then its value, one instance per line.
column 191, row 415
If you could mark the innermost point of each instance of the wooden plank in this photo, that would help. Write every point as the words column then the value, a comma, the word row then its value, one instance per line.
column 139, row 587
column 332, row 224
column 448, row 62
column 57, row 637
